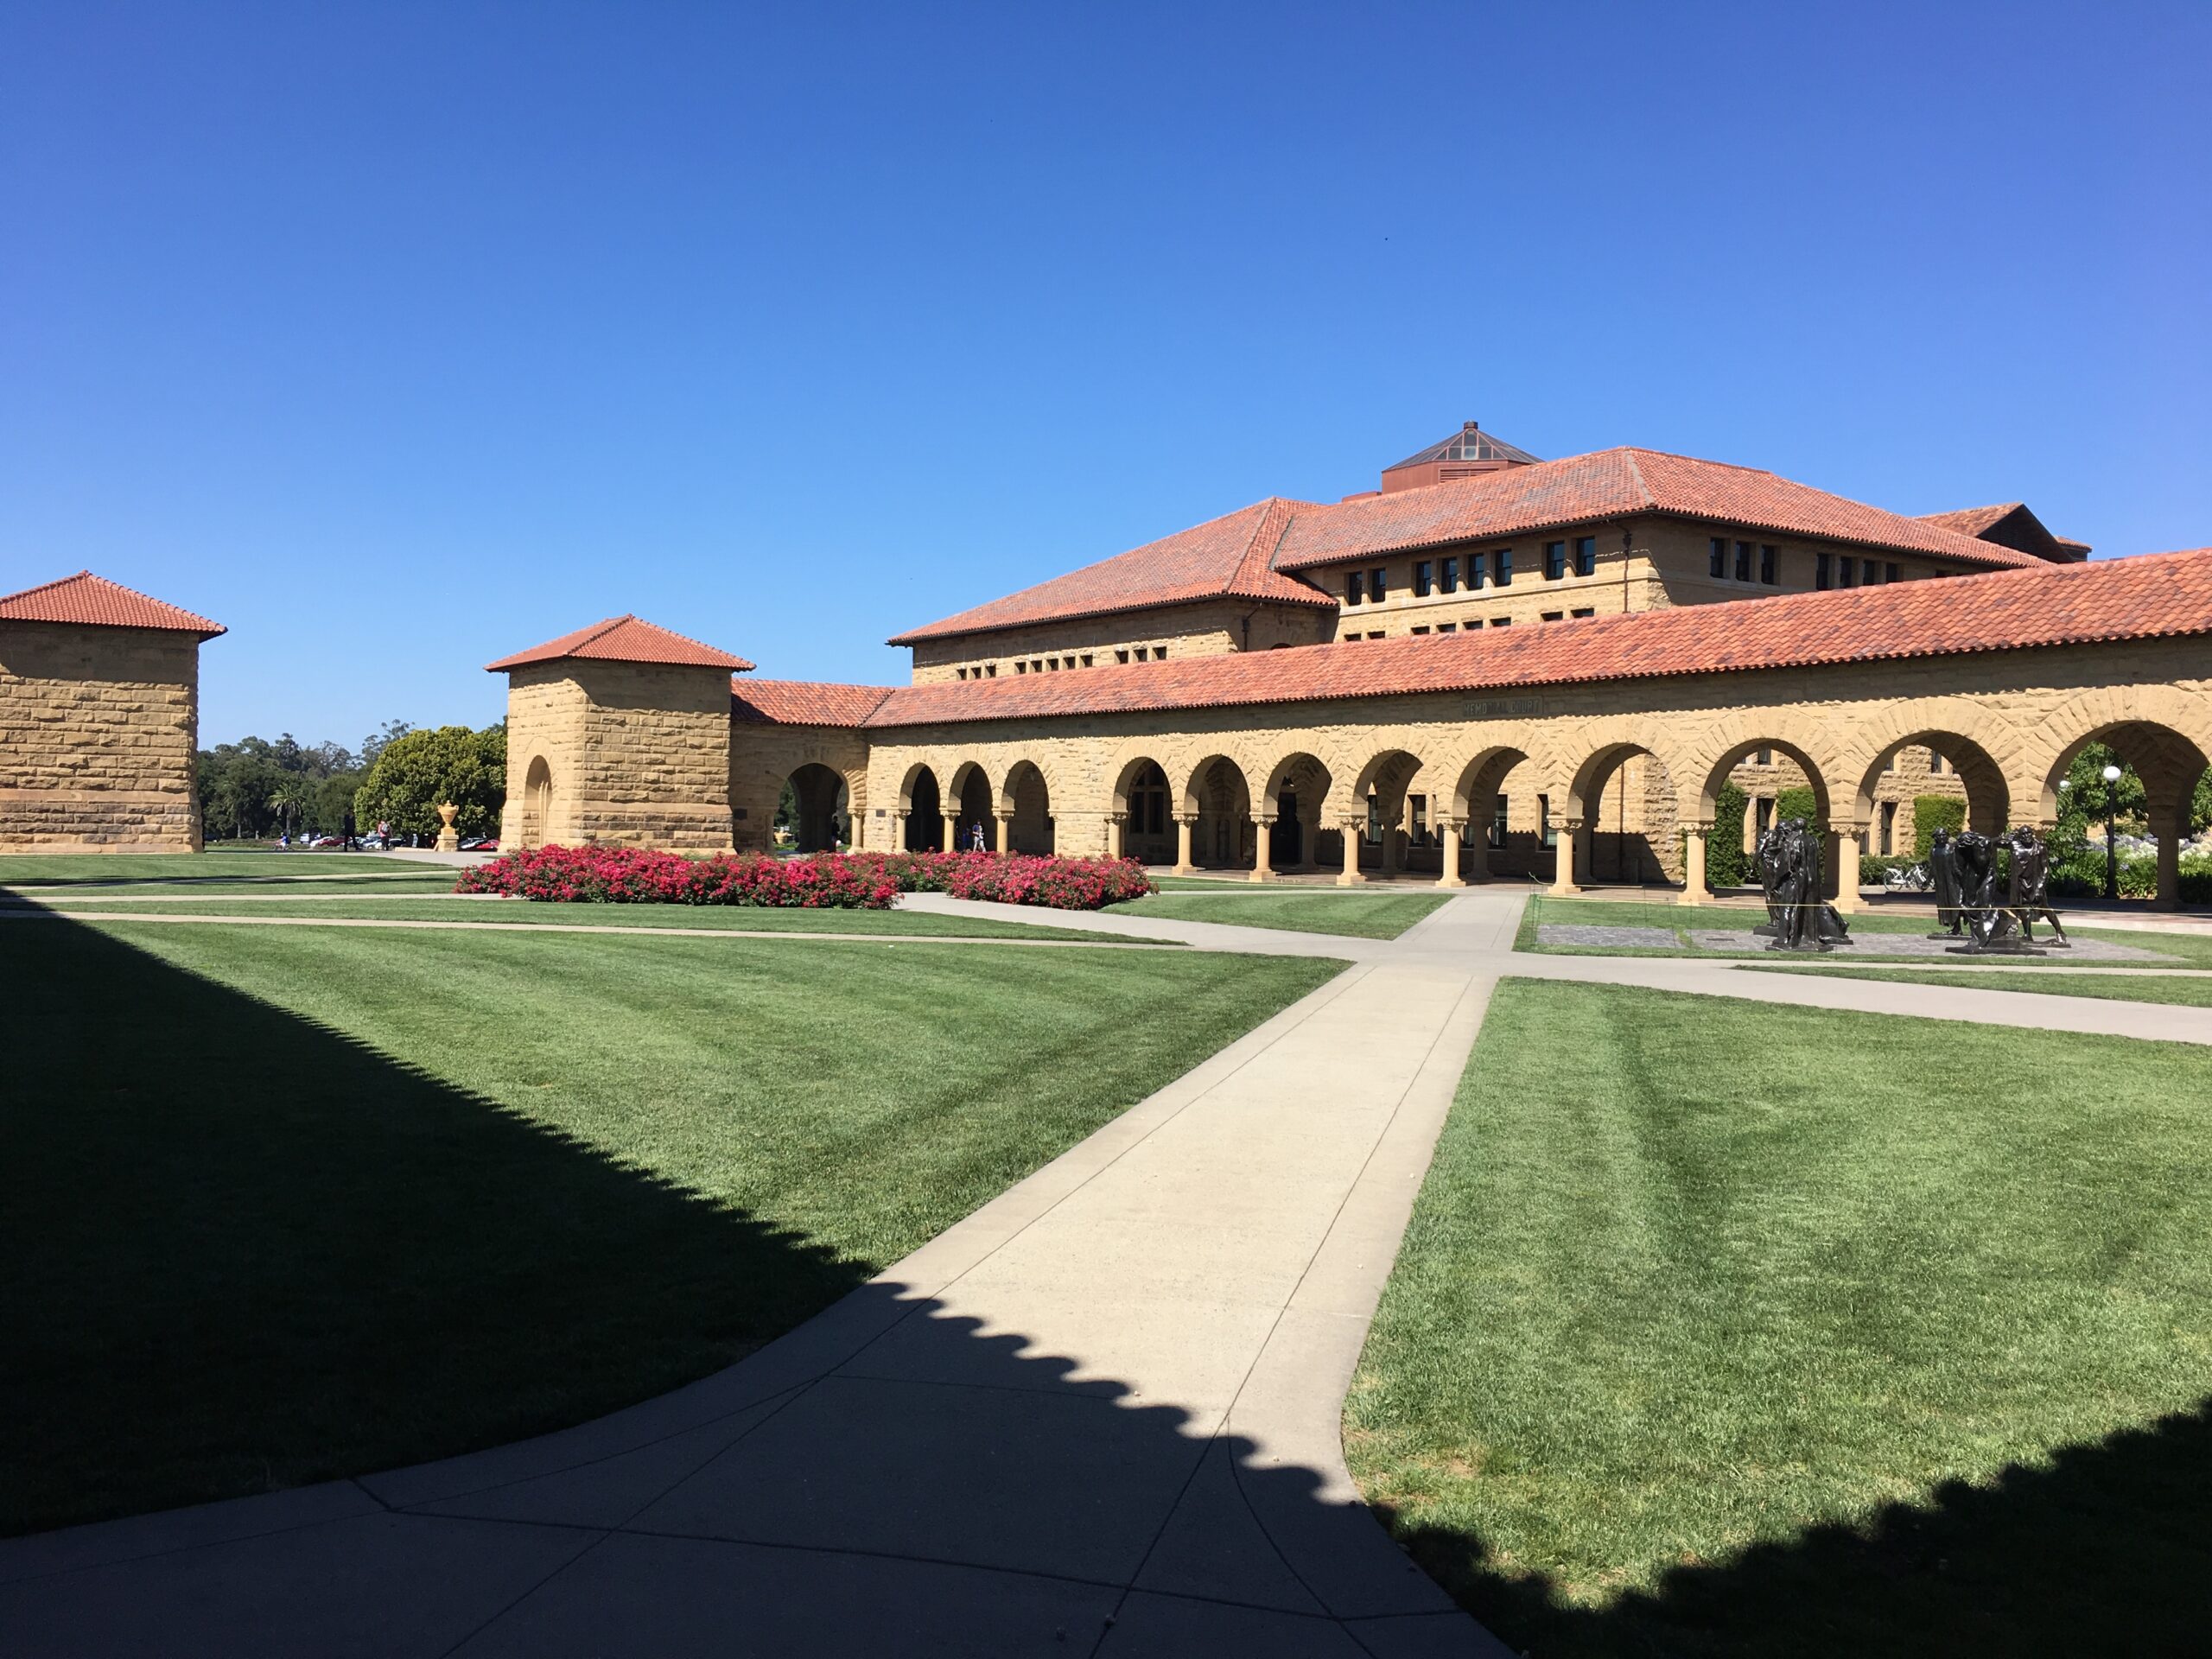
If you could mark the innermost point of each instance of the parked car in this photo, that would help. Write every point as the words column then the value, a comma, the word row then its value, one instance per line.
column 480, row 844
column 326, row 841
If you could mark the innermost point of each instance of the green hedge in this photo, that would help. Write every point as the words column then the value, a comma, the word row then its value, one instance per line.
column 1726, row 864
column 1800, row 802
column 1931, row 813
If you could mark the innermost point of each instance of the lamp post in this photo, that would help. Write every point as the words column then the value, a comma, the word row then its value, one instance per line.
column 2112, row 846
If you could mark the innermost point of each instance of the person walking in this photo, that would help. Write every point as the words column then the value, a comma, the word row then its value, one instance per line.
column 348, row 831
column 976, row 836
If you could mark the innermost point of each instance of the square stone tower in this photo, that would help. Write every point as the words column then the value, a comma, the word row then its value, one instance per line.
column 99, row 720
column 618, row 732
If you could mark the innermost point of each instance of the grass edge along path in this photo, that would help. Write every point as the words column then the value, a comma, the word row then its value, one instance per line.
column 1383, row 917
column 305, row 1202
column 2185, row 990
column 1723, row 1330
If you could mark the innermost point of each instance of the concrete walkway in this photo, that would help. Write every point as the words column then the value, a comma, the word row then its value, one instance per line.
column 1098, row 1416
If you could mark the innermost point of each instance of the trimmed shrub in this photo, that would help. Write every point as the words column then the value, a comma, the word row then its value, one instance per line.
column 1931, row 813
column 1799, row 802
column 1726, row 864
column 638, row 875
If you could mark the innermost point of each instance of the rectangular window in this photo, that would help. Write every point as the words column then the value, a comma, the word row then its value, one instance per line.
column 1122, row 656
column 1086, row 660
column 1823, row 570
column 1716, row 563
column 1889, row 829
column 1545, row 833
column 1743, row 561
column 1374, row 823
column 1421, row 630
column 1553, row 616
column 1160, row 653
column 1587, row 610
column 1768, row 563
column 1421, row 579
column 1764, row 816
column 992, row 671
column 1762, row 757
column 961, row 673
column 1448, row 577
column 1377, row 585
column 1447, row 628
column 1889, row 573
column 1847, row 573
column 1021, row 668
column 1417, row 810
column 1475, row 568
column 1935, row 763
column 1497, row 822
column 1355, row 589
column 1037, row 665
column 1500, row 621
column 1379, row 633
column 1586, row 555
column 1501, row 566
column 1555, row 561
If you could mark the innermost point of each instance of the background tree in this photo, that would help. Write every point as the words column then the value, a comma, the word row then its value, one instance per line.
column 415, row 770
column 254, row 787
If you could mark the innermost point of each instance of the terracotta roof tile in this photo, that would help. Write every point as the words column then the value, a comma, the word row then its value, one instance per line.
column 624, row 639
column 1612, row 484
column 803, row 703
column 2145, row 597
column 1229, row 556
column 1971, row 521
column 94, row 601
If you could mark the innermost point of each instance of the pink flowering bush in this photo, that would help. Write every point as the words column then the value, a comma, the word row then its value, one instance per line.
column 636, row 875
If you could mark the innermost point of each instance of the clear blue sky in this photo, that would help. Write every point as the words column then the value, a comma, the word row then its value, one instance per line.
column 398, row 337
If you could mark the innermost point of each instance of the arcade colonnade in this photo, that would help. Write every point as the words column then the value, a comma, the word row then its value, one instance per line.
column 1413, row 783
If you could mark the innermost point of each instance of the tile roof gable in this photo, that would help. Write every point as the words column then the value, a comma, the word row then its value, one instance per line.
column 803, row 703
column 91, row 601
column 625, row 638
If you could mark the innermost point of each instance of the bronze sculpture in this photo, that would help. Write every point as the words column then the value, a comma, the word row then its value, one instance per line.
column 2028, row 892
column 1992, row 927
column 1804, row 920
column 1769, row 857
column 1944, row 869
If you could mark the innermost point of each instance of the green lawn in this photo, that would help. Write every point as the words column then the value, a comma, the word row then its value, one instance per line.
column 1728, row 1330
column 2177, row 991
column 1379, row 917
column 104, row 869
column 433, row 908
column 2186, row 950
column 286, row 1204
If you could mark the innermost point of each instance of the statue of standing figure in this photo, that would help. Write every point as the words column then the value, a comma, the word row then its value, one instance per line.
column 1806, row 920
column 1944, row 869
column 1992, row 926
column 1770, row 858
column 2028, row 892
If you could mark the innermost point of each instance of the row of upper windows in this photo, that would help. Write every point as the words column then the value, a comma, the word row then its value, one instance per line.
column 1054, row 665
column 1473, row 624
column 1493, row 568
column 1725, row 559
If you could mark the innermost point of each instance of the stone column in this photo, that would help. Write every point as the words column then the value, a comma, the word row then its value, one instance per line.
column 1847, row 837
column 1117, row 840
column 951, row 833
column 1694, row 836
column 1474, row 843
column 1263, row 824
column 1567, row 855
column 1309, row 835
column 1353, row 829
column 2169, row 821
column 1453, row 829
column 1006, row 831
column 898, row 830
column 1185, row 823
column 1393, row 856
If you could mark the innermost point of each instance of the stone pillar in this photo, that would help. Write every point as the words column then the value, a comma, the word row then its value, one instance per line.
column 1006, row 831
column 1474, row 844
column 1354, row 828
column 1567, row 855
column 951, row 832
column 1453, row 829
column 1117, row 840
column 2169, row 821
column 1393, row 856
column 1845, row 837
column 898, row 830
column 1263, row 824
column 1185, row 823
column 1694, row 836
column 1309, row 835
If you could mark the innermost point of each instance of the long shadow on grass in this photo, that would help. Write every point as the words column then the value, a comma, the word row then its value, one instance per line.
column 2107, row 1550
column 262, row 1254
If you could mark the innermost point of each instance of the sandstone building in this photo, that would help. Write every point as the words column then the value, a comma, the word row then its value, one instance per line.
column 99, row 720
column 1491, row 666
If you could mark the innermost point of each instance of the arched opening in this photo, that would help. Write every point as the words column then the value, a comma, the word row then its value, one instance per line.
column 2125, row 837
column 1929, row 778
column 973, row 826
column 1222, row 801
column 1398, row 831
column 921, row 802
column 1141, row 795
column 1029, row 799
column 812, row 811
column 1503, row 835
column 1624, row 795
column 1297, row 789
column 1748, row 789
column 537, row 802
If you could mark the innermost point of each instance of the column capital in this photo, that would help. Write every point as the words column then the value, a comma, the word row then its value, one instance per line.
column 1453, row 826
column 1854, row 828
column 1117, row 817
column 1699, row 827
column 1004, row 815
column 1185, row 817
column 1262, row 818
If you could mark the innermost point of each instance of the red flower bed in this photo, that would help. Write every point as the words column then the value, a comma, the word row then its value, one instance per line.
column 636, row 875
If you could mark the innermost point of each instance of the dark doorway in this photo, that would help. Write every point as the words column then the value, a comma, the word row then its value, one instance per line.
column 924, row 817
column 1286, row 840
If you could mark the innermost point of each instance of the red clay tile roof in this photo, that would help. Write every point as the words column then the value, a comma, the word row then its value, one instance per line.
column 2146, row 597
column 1612, row 484
column 1971, row 521
column 803, row 703
column 624, row 639
column 1228, row 556
column 94, row 601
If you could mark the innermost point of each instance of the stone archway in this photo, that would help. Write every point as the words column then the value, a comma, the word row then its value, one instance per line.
column 1216, row 810
column 536, row 804
column 1025, row 806
column 1620, row 824
column 818, row 807
column 922, row 808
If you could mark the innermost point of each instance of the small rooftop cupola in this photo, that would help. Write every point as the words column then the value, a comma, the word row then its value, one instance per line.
column 1465, row 453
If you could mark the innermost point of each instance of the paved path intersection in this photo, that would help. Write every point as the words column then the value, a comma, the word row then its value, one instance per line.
column 1098, row 1416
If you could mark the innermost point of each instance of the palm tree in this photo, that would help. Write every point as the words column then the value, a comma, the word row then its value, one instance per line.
column 288, row 800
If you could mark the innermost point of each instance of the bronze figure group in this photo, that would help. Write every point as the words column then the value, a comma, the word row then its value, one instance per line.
column 1964, row 867
column 1798, row 917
